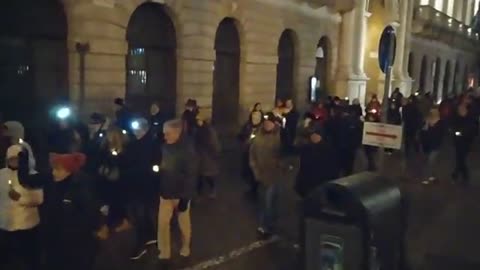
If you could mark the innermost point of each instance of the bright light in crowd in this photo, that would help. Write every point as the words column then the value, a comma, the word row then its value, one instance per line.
column 114, row 153
column 101, row 134
column 20, row 141
column 252, row 136
column 156, row 168
column 63, row 113
column 124, row 132
column 458, row 133
column 135, row 125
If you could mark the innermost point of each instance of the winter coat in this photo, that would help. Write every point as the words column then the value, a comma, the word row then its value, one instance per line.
column 208, row 150
column 357, row 110
column 71, row 212
column 22, row 214
column 265, row 157
column 432, row 136
column 123, row 117
column 412, row 119
column 156, row 124
column 466, row 126
column 190, row 121
column 318, row 164
column 140, row 157
column 178, row 170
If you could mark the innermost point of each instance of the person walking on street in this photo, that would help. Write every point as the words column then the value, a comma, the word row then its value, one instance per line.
column 463, row 129
column 432, row 137
column 178, row 171
column 208, row 149
column 19, row 215
column 141, row 154
column 412, row 123
column 112, row 180
column 246, row 136
column 266, row 163
column 318, row 162
column 289, row 125
column 71, row 218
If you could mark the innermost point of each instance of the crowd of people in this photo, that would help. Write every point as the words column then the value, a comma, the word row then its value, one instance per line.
column 138, row 172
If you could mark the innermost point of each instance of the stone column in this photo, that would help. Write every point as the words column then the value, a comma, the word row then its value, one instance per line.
column 458, row 10
column 401, row 78
column 351, row 78
column 451, row 75
column 441, row 78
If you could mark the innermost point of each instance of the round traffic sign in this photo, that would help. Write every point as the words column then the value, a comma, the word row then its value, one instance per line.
column 387, row 48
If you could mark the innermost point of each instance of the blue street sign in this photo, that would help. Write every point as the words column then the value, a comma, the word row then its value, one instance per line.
column 387, row 48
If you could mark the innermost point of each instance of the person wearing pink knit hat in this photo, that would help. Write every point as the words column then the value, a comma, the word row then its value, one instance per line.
column 72, row 218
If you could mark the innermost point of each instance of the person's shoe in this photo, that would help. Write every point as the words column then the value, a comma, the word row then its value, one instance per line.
column 137, row 254
column 150, row 242
column 164, row 264
column 185, row 252
column 124, row 226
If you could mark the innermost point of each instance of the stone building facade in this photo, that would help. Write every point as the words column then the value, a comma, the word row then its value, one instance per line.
column 259, row 23
column 227, row 54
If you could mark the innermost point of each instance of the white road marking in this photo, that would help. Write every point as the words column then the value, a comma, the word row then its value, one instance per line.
column 234, row 254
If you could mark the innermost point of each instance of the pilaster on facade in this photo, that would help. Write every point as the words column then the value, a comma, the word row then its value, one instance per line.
column 351, row 80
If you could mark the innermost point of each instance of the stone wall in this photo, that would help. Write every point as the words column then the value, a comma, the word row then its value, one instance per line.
column 103, row 24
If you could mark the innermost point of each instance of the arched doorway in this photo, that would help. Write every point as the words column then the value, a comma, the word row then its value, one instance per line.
column 411, row 64
column 446, row 80
column 151, row 59
column 33, row 59
column 285, row 66
column 322, row 66
column 423, row 75
column 436, row 66
column 226, row 76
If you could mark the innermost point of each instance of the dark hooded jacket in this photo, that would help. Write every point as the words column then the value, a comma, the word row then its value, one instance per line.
column 318, row 164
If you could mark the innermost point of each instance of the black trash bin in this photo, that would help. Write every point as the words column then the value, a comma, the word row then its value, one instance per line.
column 354, row 223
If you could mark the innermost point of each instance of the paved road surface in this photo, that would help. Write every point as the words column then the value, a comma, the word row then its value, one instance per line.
column 443, row 228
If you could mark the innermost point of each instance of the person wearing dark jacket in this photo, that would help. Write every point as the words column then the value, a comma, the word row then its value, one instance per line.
column 122, row 114
column 157, row 118
column 290, row 123
column 412, row 122
column 208, row 149
column 141, row 154
column 318, row 162
column 189, row 116
column 70, row 214
column 97, row 127
column 346, row 136
column 464, row 133
column 356, row 108
column 111, row 178
column 246, row 135
column 432, row 138
column 178, row 171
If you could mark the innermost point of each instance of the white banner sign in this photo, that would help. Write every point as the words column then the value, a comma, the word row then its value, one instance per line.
column 382, row 135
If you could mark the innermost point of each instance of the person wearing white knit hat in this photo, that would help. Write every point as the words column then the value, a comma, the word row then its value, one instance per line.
column 19, row 216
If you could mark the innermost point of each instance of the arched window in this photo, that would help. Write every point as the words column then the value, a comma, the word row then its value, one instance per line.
column 151, row 59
